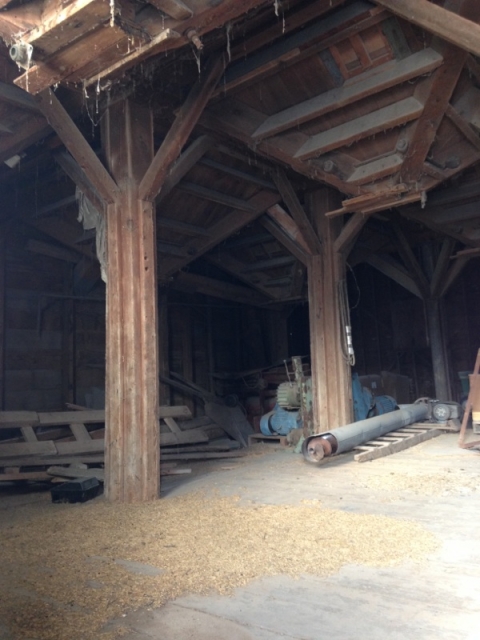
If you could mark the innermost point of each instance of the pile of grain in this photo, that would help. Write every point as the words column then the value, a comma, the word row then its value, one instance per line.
column 426, row 484
column 59, row 578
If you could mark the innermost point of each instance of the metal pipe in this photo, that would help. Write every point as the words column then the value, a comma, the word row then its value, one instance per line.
column 343, row 439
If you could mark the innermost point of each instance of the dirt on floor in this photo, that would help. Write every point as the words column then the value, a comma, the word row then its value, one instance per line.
column 68, row 569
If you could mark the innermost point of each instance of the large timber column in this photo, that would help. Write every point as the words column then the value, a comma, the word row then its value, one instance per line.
column 330, row 369
column 132, row 395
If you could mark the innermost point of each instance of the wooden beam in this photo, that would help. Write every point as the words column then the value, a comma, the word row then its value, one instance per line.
column 10, row 94
column 215, row 196
column 438, row 20
column 360, row 87
column 435, row 93
column 187, row 117
column 376, row 169
column 439, row 276
column 289, row 226
column 227, row 226
column 349, row 233
column 182, row 227
column 227, row 262
column 463, row 126
column 284, row 239
column 132, row 454
column 185, row 162
column 331, row 381
column 393, row 270
column 454, row 271
column 192, row 283
column 350, row 132
column 241, row 175
column 410, row 260
column 269, row 263
column 297, row 211
column 47, row 249
column 80, row 179
column 74, row 141
column 176, row 9
column 31, row 132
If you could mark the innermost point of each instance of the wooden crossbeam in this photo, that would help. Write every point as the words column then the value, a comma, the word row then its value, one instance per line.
column 349, row 233
column 463, row 126
column 215, row 196
column 187, row 117
column 269, row 263
column 410, row 260
column 284, row 239
column 224, row 228
column 236, row 173
column 392, row 269
column 375, row 122
column 182, row 227
column 185, row 162
column 11, row 94
column 435, row 93
column 438, row 20
column 74, row 141
column 367, row 84
column 29, row 133
column 79, row 177
column 452, row 274
column 439, row 276
column 193, row 283
column 176, row 9
column 227, row 262
column 297, row 211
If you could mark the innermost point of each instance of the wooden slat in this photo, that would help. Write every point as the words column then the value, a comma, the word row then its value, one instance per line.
column 177, row 411
column 376, row 169
column 184, row 437
column 172, row 425
column 80, row 447
column 285, row 239
column 72, row 472
column 71, row 417
column 32, row 476
column 28, row 434
column 27, row 449
column 174, row 8
column 80, row 432
column 363, row 86
column 463, row 126
column 395, row 447
column 83, row 153
column 438, row 20
column 187, row 117
column 375, row 122
column 182, row 227
column 9, row 419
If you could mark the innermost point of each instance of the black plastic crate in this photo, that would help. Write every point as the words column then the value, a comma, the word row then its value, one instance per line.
column 79, row 490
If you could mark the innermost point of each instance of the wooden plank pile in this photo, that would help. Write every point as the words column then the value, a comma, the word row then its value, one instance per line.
column 39, row 445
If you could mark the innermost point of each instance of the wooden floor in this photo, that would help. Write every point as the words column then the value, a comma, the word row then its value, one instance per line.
column 438, row 486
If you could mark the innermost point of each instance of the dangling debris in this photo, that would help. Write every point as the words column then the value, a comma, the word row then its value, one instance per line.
column 91, row 218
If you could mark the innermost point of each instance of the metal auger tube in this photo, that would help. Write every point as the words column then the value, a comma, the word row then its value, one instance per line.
column 351, row 435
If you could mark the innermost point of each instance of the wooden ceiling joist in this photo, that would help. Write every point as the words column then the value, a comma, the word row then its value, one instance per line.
column 441, row 21
column 10, row 94
column 363, row 86
column 178, row 134
column 182, row 227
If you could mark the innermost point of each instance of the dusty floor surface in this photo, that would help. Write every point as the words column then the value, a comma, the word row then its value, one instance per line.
column 431, row 595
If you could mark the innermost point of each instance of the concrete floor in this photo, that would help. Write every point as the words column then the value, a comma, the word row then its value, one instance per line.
column 435, row 484
column 440, row 600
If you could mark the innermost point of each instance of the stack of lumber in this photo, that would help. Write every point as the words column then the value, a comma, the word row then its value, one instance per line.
column 35, row 446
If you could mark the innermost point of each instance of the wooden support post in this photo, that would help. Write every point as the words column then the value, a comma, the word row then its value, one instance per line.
column 132, row 455
column 439, row 364
column 331, row 384
column 2, row 319
column 164, row 362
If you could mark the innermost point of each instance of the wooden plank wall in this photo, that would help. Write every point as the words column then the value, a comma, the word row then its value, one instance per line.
column 389, row 328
